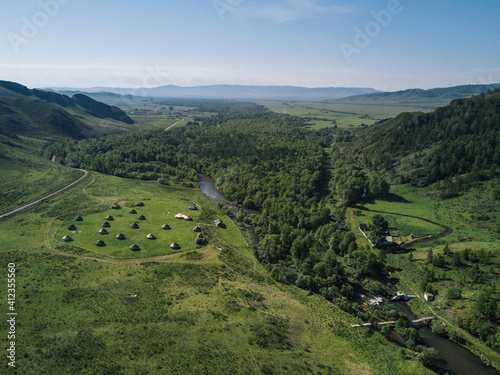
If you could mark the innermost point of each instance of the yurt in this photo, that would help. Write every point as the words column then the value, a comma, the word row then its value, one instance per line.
column 103, row 231
column 139, row 204
column 100, row 243
column 133, row 211
column 134, row 226
column 175, row 246
column 135, row 247
column 165, row 226
column 141, row 217
column 110, row 218
column 71, row 227
column 67, row 239
column 192, row 208
column 115, row 206
column 120, row 236
column 106, row 224
column 151, row 236
column 78, row 218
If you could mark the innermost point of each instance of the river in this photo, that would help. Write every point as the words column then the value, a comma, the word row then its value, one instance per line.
column 454, row 359
column 207, row 187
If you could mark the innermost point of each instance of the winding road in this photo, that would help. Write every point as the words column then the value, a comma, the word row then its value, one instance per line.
column 447, row 230
column 85, row 174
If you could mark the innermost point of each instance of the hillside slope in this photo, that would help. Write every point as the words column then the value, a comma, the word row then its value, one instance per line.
column 433, row 98
column 48, row 115
column 460, row 138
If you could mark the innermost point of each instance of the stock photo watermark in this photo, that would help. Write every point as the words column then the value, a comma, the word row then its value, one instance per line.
column 31, row 26
column 224, row 6
column 364, row 36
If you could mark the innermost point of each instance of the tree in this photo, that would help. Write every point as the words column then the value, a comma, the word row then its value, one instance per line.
column 378, row 229
column 428, row 357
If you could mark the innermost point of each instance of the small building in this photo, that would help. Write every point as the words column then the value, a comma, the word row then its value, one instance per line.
column 134, row 226
column 151, row 236
column 402, row 296
column 141, row 217
column 134, row 247
column 428, row 297
column 139, row 204
column 197, row 229
column 71, row 227
column 106, row 225
column 110, row 218
column 120, row 236
column 115, row 206
column 218, row 223
column 133, row 211
column 192, row 208
column 100, row 243
column 78, row 218
column 175, row 246
column 103, row 231
column 165, row 226
column 67, row 239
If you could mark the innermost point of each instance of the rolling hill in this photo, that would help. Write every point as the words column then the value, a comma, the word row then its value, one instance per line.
column 433, row 98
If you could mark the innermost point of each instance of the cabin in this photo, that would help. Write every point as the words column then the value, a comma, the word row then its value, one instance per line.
column 100, row 243
column 67, row 239
column 106, row 225
column 120, row 236
column 183, row 217
column 110, row 218
column 134, row 247
column 175, row 246
column 132, row 211
column 71, row 227
column 115, row 206
column 402, row 296
column 139, row 204
column 134, row 226
column 78, row 218
column 218, row 223
column 165, row 226
column 428, row 297
column 141, row 217
column 197, row 229
column 151, row 236
column 103, row 231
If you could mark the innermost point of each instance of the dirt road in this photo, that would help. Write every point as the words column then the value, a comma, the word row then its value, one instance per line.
column 85, row 174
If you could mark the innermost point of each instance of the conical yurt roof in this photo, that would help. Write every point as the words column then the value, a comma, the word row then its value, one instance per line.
column 134, row 247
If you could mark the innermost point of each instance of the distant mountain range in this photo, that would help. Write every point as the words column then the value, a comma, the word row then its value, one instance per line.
column 231, row 92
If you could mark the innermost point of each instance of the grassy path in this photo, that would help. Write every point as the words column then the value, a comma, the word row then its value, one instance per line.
column 447, row 230
column 171, row 126
column 85, row 174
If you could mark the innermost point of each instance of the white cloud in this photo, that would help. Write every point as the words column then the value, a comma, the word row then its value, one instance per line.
column 290, row 10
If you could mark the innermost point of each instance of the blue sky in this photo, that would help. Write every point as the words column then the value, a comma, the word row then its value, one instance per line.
column 384, row 44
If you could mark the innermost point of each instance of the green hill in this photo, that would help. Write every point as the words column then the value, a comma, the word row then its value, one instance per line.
column 426, row 98
column 457, row 139
column 48, row 115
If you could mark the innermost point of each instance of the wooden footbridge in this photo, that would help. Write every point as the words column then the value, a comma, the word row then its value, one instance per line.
column 427, row 318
